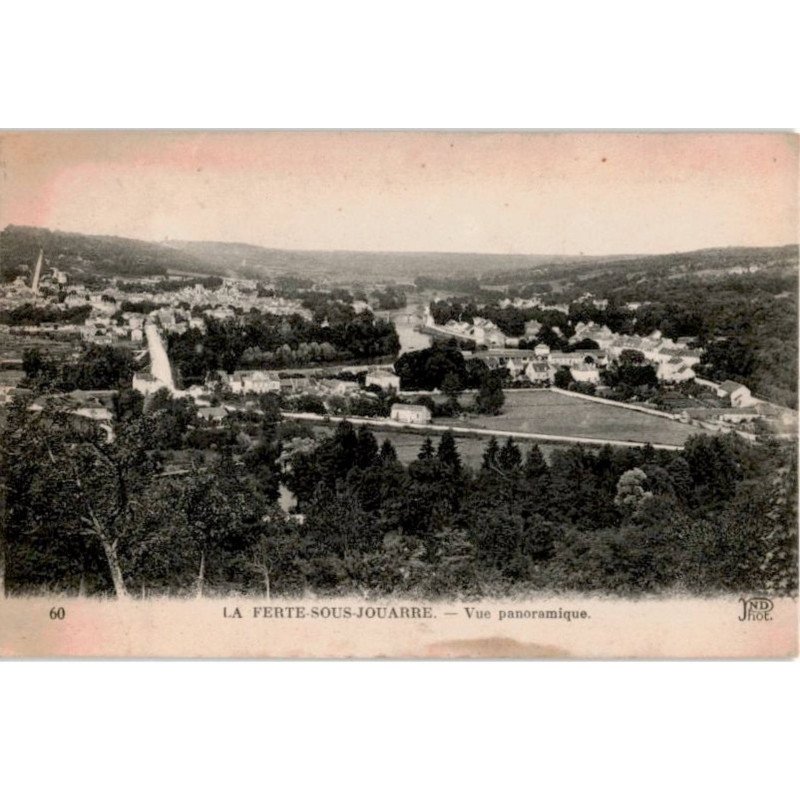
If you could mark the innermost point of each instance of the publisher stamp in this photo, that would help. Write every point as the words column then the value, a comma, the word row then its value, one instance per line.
column 756, row 609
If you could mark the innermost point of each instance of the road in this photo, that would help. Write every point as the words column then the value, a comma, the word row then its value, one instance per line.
column 382, row 422
column 159, row 360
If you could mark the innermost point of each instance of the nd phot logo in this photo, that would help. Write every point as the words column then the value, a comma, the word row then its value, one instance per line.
column 756, row 609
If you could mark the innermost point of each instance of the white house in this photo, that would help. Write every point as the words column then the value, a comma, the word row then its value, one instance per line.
column 412, row 414
column 257, row 381
column 675, row 371
column 585, row 373
column 688, row 357
column 337, row 387
column 738, row 394
column 537, row 372
column 558, row 358
column 212, row 414
column 387, row 381
column 591, row 330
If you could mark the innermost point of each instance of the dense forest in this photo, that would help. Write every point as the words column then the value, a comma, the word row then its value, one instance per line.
column 86, row 514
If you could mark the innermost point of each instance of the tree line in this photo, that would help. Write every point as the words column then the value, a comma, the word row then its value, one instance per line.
column 29, row 314
column 97, row 367
column 268, row 341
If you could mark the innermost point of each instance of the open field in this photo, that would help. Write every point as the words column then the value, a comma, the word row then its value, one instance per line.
column 544, row 412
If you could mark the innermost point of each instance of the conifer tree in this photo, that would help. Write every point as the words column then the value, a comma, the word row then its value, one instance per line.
column 448, row 452
column 490, row 454
column 388, row 454
column 426, row 452
column 510, row 457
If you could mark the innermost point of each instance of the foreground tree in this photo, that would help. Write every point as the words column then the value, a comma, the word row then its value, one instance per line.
column 66, row 481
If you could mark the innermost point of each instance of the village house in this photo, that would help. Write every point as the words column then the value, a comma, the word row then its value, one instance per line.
column 337, row 387
column 585, row 373
column 295, row 385
column 385, row 380
column 590, row 330
column 738, row 394
column 688, row 357
column 675, row 371
column 213, row 414
column 419, row 415
column 200, row 395
column 513, row 360
column 256, row 381
column 537, row 372
column 520, row 302
column 486, row 332
column 558, row 358
column 93, row 409
column 636, row 343
column 456, row 327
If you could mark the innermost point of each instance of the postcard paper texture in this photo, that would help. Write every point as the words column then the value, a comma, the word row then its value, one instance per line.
column 371, row 394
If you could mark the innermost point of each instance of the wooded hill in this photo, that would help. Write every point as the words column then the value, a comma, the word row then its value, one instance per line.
column 114, row 255
column 258, row 262
column 88, row 255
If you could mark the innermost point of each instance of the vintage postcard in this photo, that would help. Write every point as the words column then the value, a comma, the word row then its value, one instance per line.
column 384, row 394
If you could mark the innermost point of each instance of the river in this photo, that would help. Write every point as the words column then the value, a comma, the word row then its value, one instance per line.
column 406, row 320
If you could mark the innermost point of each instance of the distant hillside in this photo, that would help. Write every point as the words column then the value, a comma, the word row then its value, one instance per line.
column 480, row 268
column 88, row 255
column 696, row 262
column 255, row 261
column 84, row 254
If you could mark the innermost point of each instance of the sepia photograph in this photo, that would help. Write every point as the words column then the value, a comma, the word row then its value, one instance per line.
column 406, row 394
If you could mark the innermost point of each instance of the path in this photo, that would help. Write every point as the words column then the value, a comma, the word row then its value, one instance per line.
column 159, row 360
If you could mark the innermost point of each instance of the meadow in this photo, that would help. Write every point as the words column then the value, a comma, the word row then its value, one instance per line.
column 545, row 412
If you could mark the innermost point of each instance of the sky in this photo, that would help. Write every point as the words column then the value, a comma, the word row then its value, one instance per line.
column 537, row 193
